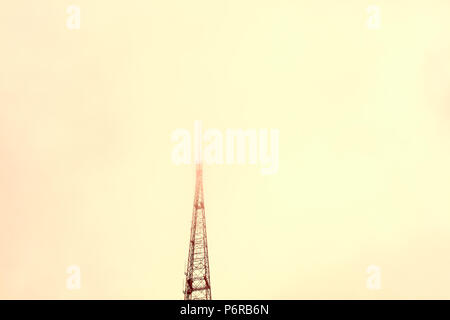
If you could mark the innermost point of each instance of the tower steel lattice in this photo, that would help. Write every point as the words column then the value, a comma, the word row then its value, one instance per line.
column 198, row 285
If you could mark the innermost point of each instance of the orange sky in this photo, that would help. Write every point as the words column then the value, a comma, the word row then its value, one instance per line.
column 86, row 118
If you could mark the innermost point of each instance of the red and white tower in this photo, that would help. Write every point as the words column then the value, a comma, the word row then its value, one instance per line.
column 198, row 285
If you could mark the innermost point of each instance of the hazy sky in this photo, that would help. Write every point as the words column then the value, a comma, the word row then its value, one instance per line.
column 87, row 179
